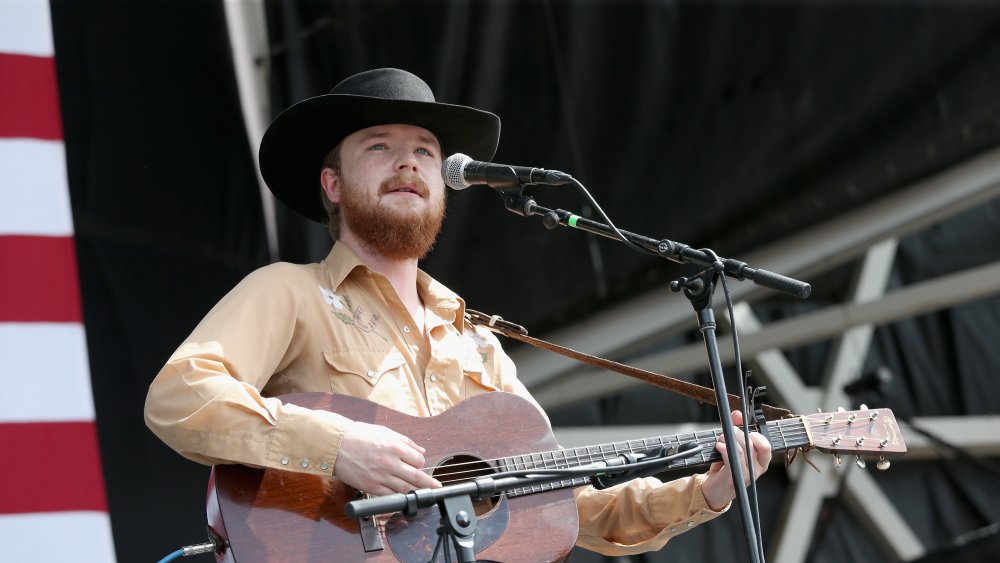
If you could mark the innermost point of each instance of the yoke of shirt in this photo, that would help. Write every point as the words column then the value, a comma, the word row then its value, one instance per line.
column 372, row 349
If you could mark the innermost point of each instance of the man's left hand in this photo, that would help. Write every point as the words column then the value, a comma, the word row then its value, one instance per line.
column 718, row 487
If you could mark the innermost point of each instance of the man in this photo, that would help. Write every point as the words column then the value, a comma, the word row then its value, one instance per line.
column 367, row 322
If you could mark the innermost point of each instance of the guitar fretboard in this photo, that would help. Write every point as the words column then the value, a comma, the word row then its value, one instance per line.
column 784, row 435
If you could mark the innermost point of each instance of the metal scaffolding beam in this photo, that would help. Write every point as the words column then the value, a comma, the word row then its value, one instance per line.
column 821, row 248
column 976, row 435
column 921, row 298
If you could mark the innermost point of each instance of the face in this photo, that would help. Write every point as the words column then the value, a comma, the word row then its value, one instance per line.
column 389, row 189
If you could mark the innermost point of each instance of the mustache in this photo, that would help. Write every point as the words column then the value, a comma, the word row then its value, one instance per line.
column 405, row 179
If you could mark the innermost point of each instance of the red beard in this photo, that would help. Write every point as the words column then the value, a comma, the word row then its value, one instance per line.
column 391, row 231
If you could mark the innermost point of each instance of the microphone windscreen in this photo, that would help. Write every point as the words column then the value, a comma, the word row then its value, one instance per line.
column 453, row 171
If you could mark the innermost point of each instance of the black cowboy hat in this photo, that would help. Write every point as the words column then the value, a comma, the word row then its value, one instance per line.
column 293, row 148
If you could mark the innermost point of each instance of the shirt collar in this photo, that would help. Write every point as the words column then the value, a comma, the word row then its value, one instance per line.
column 342, row 262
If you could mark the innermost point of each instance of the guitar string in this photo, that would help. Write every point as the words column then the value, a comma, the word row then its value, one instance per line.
column 601, row 447
column 568, row 457
column 625, row 446
column 541, row 464
column 821, row 429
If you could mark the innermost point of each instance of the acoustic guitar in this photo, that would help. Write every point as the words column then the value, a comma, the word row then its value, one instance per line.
column 274, row 515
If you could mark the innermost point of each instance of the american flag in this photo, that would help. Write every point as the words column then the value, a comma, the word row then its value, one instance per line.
column 53, row 505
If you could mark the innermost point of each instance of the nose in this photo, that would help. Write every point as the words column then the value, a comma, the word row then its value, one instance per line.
column 407, row 162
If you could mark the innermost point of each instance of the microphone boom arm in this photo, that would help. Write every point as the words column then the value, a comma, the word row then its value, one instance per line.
column 674, row 251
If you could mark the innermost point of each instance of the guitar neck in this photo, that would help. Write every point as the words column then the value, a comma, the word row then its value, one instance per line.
column 784, row 434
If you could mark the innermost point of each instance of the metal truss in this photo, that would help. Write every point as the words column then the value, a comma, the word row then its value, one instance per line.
column 870, row 233
column 649, row 317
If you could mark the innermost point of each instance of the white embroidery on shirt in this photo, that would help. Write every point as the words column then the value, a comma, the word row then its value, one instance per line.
column 332, row 298
column 480, row 343
column 356, row 316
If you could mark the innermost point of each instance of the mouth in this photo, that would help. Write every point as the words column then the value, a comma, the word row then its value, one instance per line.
column 408, row 189
column 405, row 190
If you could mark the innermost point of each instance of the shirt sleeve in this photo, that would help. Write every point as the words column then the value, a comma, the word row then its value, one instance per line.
column 640, row 515
column 206, row 402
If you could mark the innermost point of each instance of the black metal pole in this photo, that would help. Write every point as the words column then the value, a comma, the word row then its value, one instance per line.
column 700, row 295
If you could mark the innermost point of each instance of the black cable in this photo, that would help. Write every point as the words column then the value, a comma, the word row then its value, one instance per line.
column 587, row 470
column 605, row 218
column 719, row 268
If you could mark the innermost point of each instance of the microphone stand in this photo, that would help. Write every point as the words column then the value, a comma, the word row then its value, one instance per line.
column 699, row 290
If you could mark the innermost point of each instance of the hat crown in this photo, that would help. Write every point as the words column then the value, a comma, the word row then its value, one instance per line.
column 386, row 83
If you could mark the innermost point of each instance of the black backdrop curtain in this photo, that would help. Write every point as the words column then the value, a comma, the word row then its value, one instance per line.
column 708, row 123
column 167, row 220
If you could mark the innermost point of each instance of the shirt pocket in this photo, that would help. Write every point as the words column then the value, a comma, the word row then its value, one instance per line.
column 358, row 373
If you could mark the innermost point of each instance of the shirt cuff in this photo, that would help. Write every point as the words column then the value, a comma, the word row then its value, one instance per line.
column 667, row 517
column 306, row 440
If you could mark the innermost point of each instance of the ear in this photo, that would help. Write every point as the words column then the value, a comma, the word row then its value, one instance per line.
column 330, row 181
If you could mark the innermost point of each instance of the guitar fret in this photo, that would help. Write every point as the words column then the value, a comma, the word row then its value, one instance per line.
column 540, row 464
column 563, row 460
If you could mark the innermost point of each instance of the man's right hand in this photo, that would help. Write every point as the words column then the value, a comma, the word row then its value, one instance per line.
column 381, row 461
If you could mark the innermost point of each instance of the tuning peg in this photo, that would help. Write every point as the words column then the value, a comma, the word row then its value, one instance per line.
column 837, row 460
column 860, row 462
column 882, row 464
column 864, row 407
column 841, row 409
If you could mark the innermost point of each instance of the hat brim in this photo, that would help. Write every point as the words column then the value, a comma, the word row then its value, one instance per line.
column 294, row 146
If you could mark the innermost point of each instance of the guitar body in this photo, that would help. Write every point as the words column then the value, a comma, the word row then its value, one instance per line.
column 274, row 515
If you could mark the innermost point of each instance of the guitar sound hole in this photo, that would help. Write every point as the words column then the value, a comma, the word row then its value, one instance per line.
column 461, row 468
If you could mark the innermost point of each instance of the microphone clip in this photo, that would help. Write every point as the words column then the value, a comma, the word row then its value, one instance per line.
column 624, row 470
column 518, row 203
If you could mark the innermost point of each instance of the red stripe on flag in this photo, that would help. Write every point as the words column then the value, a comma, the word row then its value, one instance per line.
column 50, row 467
column 29, row 97
column 38, row 280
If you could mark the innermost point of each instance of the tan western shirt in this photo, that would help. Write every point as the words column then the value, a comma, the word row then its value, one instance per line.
column 339, row 327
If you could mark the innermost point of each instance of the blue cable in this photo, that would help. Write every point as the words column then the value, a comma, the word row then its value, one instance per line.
column 172, row 556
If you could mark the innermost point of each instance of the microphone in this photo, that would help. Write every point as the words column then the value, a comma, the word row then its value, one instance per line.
column 460, row 172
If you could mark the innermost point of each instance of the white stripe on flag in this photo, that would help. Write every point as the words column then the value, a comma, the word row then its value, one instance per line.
column 34, row 193
column 44, row 374
column 57, row 536
column 25, row 27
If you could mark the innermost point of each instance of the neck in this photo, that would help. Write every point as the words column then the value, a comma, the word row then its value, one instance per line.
column 402, row 274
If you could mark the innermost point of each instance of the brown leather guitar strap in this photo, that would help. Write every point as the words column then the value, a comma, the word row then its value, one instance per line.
column 692, row 390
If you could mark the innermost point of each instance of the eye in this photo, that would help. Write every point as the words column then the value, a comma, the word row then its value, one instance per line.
column 378, row 147
column 425, row 152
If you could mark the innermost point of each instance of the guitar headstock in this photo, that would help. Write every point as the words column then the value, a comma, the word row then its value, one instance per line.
column 861, row 432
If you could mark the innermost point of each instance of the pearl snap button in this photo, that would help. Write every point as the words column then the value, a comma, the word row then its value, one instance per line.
column 434, row 377
column 371, row 373
column 284, row 461
column 305, row 463
column 406, row 329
